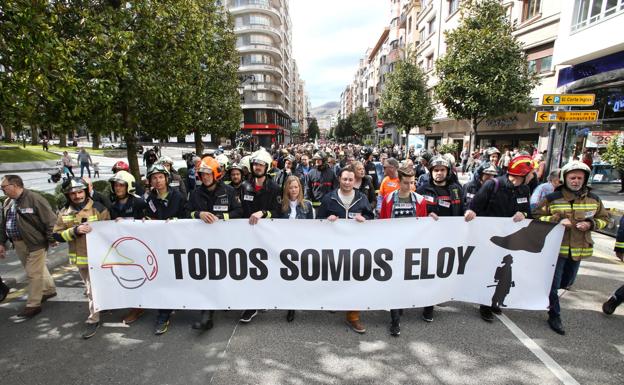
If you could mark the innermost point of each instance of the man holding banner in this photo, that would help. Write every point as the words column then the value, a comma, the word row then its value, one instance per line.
column 211, row 202
column 504, row 196
column 347, row 203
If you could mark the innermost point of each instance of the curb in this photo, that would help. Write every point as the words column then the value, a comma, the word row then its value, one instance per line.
column 28, row 166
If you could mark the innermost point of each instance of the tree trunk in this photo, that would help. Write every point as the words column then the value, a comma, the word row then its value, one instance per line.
column 96, row 141
column 131, row 141
column 199, row 145
column 474, row 124
column 63, row 139
column 8, row 132
column 34, row 139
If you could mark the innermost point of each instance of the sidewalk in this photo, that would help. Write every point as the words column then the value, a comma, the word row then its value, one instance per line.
column 13, row 273
column 28, row 166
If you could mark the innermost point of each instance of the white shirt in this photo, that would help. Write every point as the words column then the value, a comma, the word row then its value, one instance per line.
column 293, row 209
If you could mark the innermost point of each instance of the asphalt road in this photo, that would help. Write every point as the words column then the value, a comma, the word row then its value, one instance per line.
column 317, row 348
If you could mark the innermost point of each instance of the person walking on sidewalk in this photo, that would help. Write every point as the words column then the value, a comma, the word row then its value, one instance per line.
column 578, row 209
column 616, row 298
column 67, row 164
column 84, row 159
column 27, row 221
column 72, row 226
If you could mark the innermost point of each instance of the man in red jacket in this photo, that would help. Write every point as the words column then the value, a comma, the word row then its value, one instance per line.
column 401, row 203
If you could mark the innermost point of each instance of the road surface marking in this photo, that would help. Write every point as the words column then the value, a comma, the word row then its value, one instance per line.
column 551, row 364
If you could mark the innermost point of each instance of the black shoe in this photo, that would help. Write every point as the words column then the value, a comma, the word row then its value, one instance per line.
column 496, row 310
column 427, row 314
column 161, row 327
column 612, row 303
column 205, row 323
column 248, row 315
column 395, row 328
column 290, row 316
column 486, row 313
column 90, row 330
column 555, row 324
column 46, row 297
column 4, row 291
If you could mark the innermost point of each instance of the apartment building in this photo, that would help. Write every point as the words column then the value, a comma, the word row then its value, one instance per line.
column 269, row 79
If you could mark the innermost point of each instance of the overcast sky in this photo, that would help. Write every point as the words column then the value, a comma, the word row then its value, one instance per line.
column 329, row 38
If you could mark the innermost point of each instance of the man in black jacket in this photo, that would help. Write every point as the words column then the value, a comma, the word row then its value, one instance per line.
column 260, row 199
column 481, row 176
column 504, row 196
column 347, row 203
column 444, row 199
column 212, row 201
column 321, row 179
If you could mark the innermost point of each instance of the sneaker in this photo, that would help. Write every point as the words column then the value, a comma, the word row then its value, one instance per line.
column 486, row 313
column 46, row 297
column 248, row 315
column 496, row 310
column 90, row 330
column 395, row 328
column 356, row 326
column 29, row 312
column 4, row 291
column 612, row 303
column 133, row 315
column 161, row 327
column 427, row 314
column 555, row 324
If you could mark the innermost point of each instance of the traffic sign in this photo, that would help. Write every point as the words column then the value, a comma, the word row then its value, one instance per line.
column 566, row 116
column 568, row 99
column 380, row 123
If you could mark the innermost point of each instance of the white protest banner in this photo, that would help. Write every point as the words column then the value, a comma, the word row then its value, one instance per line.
column 314, row 264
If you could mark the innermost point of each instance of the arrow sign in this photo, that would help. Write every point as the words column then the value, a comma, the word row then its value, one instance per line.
column 568, row 99
column 566, row 116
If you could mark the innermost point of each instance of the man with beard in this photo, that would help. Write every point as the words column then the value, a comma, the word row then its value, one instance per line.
column 578, row 209
column 443, row 197
column 321, row 180
column 260, row 199
column 235, row 172
column 72, row 226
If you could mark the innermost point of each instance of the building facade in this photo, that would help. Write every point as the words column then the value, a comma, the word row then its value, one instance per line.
column 270, row 82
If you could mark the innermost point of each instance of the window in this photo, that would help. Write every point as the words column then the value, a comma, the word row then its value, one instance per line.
column 431, row 25
column 260, row 40
column 530, row 9
column 429, row 61
column 409, row 24
column 259, row 20
column 540, row 58
column 421, row 35
column 587, row 12
column 453, row 6
column 421, row 64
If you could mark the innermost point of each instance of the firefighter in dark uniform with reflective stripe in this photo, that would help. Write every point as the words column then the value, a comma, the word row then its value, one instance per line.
column 212, row 201
column 321, row 180
column 369, row 166
column 260, row 199
column 443, row 198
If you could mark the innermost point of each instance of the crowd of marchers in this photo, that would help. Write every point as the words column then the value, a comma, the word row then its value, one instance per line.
column 307, row 181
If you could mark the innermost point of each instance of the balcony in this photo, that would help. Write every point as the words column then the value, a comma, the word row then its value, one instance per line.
column 395, row 55
column 256, row 48
column 261, row 68
column 274, row 32
column 263, row 105
column 264, row 87
column 265, row 9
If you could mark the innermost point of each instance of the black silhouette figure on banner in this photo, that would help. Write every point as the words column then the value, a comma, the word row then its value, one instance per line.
column 531, row 238
column 504, row 283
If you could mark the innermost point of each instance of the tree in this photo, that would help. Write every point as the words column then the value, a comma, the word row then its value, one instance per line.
column 484, row 73
column 313, row 130
column 615, row 153
column 361, row 123
column 405, row 100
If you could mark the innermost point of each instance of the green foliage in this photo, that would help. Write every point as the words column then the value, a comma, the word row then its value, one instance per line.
column 386, row 143
column 183, row 171
column 26, row 155
column 368, row 142
column 484, row 72
column 361, row 123
column 101, row 185
column 449, row 148
column 49, row 197
column 313, row 130
column 405, row 101
column 615, row 152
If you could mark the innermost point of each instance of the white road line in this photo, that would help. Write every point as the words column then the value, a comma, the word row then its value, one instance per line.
column 225, row 350
column 551, row 364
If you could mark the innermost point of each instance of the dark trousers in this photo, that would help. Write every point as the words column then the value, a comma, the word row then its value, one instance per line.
column 565, row 274
column 82, row 167
column 619, row 293
column 163, row 315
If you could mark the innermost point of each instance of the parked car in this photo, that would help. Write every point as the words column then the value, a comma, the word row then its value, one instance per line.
column 124, row 146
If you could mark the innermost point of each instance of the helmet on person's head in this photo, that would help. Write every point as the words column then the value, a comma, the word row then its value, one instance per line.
column 119, row 166
column 490, row 151
column 451, row 159
column 521, row 165
column 75, row 184
column 123, row 177
column 320, row 155
column 235, row 166
column 165, row 160
column 439, row 161
column 366, row 152
column 210, row 165
column 490, row 170
column 223, row 161
column 289, row 158
column 245, row 162
column 262, row 157
column 157, row 169
column 574, row 166
column 426, row 156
